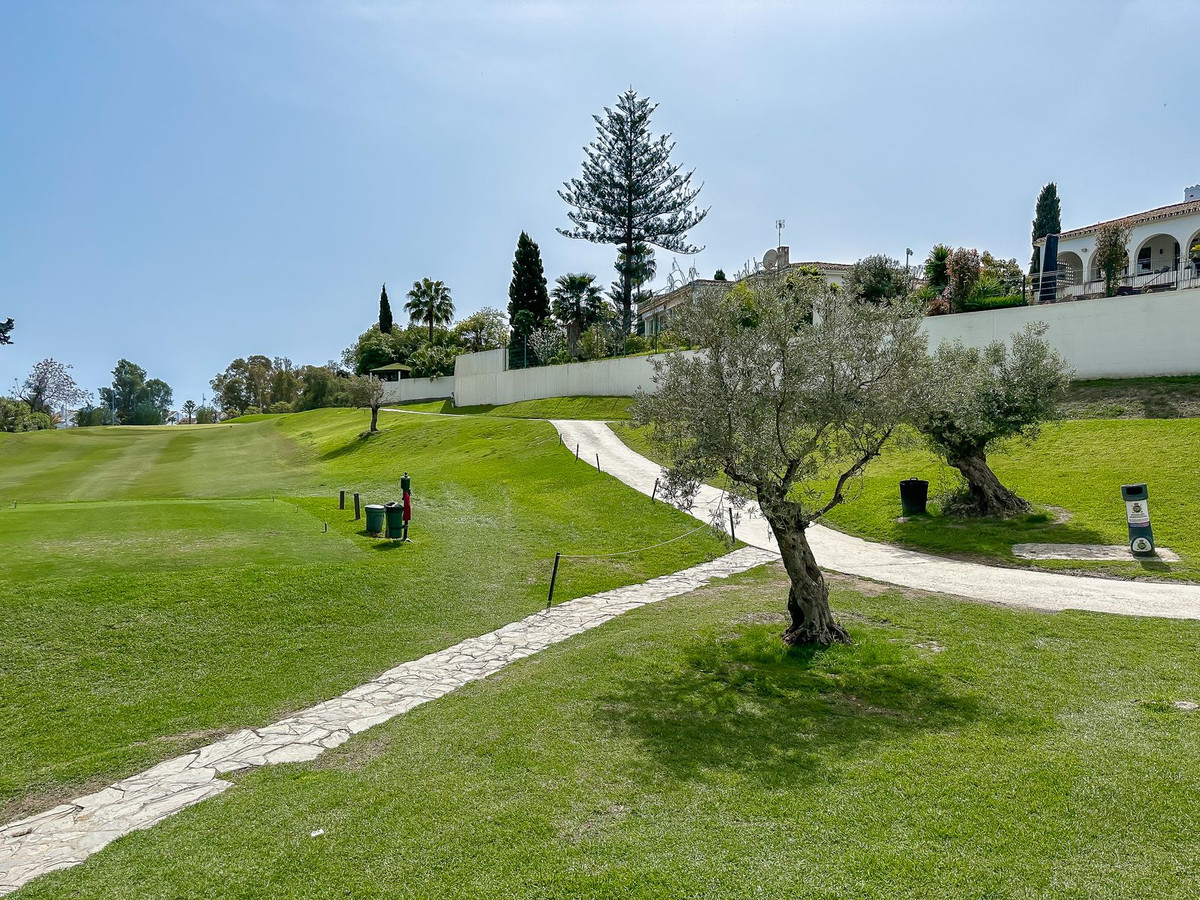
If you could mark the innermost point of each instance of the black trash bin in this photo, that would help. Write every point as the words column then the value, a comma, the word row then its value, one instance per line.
column 914, row 496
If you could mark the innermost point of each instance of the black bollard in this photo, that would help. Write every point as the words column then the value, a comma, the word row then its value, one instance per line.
column 357, row 512
column 341, row 499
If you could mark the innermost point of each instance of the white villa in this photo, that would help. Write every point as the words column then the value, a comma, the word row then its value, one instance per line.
column 1161, row 254
column 654, row 314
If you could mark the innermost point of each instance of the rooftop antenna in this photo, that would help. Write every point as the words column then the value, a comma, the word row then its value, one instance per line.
column 779, row 226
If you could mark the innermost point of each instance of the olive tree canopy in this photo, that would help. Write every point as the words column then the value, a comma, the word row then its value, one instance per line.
column 798, row 389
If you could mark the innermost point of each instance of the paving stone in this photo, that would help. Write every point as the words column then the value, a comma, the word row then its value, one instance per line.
column 1086, row 552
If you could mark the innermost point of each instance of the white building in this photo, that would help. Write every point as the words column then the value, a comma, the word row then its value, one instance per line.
column 1161, row 254
column 653, row 316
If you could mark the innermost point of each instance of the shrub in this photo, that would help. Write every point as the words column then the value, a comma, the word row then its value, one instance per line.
column 962, row 270
column 635, row 344
column 281, row 406
column 594, row 343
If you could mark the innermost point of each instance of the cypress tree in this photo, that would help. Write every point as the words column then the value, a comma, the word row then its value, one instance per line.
column 527, row 291
column 385, row 312
column 1047, row 219
column 629, row 191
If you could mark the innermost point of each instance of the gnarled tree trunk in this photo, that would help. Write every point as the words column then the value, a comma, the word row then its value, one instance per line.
column 812, row 620
column 987, row 496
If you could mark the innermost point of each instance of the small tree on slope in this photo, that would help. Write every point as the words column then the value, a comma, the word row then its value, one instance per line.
column 367, row 393
column 978, row 398
column 784, row 408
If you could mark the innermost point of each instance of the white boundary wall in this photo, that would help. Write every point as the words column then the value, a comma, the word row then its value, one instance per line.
column 410, row 390
column 480, row 378
column 1114, row 337
column 1117, row 337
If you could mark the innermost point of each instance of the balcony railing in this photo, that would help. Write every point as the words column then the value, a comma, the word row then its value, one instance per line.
column 1182, row 277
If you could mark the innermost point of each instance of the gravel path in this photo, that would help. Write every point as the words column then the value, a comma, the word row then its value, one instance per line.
column 908, row 568
column 68, row 834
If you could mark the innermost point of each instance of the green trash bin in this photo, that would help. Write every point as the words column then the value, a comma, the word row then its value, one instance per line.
column 375, row 518
column 395, row 519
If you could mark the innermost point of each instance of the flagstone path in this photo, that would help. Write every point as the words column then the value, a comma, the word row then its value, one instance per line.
column 68, row 834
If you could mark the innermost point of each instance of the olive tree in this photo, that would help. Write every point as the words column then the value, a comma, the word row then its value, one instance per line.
column 978, row 397
column 366, row 391
column 798, row 388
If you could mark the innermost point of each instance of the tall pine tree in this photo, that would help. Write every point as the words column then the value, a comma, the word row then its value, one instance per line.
column 527, row 290
column 6, row 328
column 385, row 312
column 1047, row 219
column 630, row 192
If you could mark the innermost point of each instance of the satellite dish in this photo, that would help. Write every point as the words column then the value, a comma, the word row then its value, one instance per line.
column 769, row 259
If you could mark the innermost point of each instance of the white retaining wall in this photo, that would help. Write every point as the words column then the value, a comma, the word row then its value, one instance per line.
column 480, row 378
column 1116, row 337
column 410, row 390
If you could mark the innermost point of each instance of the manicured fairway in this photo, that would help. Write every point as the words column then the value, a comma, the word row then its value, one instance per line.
column 956, row 750
column 1075, row 466
column 134, row 629
column 154, row 463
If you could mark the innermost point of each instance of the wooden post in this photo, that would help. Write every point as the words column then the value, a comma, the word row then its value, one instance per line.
column 357, row 511
column 654, row 492
column 576, row 453
column 732, row 534
column 597, row 462
column 341, row 499
column 553, row 578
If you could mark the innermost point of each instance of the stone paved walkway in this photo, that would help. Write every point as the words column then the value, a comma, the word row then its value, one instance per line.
column 908, row 568
column 68, row 834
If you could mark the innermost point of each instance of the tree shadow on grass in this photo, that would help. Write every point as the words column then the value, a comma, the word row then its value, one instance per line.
column 743, row 703
column 352, row 446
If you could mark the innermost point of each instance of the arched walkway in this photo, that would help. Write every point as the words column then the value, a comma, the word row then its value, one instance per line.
column 1156, row 255
column 1070, row 268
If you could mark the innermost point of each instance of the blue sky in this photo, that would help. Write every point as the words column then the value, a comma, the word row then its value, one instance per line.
column 183, row 183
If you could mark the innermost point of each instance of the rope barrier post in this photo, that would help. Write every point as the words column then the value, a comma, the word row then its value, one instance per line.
column 576, row 453
column 597, row 462
column 732, row 535
column 341, row 499
column 357, row 511
column 553, row 578
column 654, row 492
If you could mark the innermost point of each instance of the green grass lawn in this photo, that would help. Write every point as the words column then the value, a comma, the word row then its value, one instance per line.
column 176, row 600
column 552, row 408
column 954, row 751
column 1076, row 466
column 1134, row 398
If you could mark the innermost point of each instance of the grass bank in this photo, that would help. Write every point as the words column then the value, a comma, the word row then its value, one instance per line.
column 955, row 750
column 609, row 408
column 176, row 600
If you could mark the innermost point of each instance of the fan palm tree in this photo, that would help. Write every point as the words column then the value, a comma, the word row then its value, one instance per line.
column 578, row 303
column 429, row 302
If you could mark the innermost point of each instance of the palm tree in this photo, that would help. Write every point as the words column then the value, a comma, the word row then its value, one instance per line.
column 429, row 302
column 936, row 273
column 640, row 264
column 189, row 410
column 578, row 303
